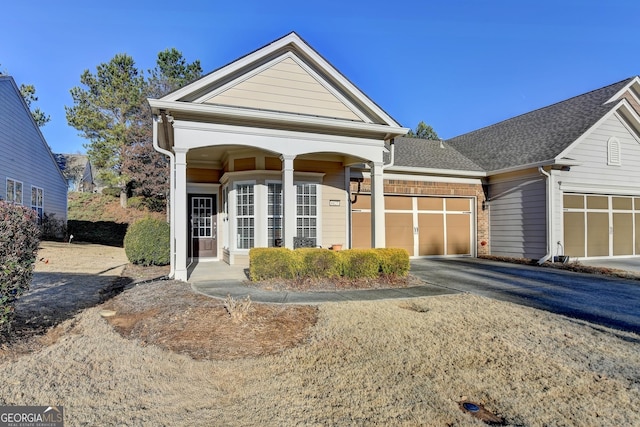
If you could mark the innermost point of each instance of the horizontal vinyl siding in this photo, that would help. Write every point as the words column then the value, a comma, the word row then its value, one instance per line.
column 26, row 157
column 518, row 217
column 285, row 87
column 592, row 154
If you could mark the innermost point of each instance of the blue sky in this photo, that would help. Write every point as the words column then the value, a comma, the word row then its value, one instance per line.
column 458, row 65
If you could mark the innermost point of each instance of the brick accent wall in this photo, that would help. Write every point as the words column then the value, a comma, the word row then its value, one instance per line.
column 443, row 189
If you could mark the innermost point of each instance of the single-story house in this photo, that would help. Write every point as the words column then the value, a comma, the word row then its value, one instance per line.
column 278, row 148
column 28, row 172
column 78, row 172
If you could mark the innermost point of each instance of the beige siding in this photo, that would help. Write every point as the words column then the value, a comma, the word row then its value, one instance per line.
column 334, row 218
column 286, row 87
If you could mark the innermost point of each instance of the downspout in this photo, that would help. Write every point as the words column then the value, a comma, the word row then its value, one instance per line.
column 392, row 147
column 549, row 216
column 156, row 146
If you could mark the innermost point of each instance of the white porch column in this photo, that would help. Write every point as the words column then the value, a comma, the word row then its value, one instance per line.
column 180, row 219
column 377, row 206
column 288, row 200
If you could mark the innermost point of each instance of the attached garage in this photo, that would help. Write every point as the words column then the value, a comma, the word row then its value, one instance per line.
column 423, row 225
column 597, row 225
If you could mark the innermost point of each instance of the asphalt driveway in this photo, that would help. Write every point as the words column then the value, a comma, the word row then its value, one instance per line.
column 602, row 300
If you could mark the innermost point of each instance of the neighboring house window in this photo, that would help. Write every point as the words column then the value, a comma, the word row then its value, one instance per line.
column 614, row 150
column 37, row 202
column 14, row 191
column 245, row 216
column 307, row 211
column 274, row 213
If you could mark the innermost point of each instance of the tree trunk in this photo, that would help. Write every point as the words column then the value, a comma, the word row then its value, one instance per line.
column 123, row 198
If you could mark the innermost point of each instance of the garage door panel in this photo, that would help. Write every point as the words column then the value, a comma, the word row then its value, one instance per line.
column 399, row 231
column 458, row 205
column 361, row 230
column 574, row 234
column 622, row 234
column 398, row 203
column 597, row 234
column 458, row 234
column 431, row 234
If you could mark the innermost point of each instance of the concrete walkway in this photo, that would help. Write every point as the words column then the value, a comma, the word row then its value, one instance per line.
column 219, row 280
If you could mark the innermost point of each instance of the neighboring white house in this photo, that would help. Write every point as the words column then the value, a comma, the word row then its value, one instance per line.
column 29, row 174
column 564, row 179
column 279, row 148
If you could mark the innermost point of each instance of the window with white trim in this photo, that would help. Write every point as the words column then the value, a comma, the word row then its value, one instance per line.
column 274, row 213
column 37, row 202
column 307, row 210
column 245, row 219
column 14, row 191
column 614, row 152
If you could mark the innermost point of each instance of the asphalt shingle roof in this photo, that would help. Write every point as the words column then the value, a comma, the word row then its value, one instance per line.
column 536, row 136
column 424, row 153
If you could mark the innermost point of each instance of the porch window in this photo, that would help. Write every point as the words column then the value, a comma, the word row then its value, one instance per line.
column 37, row 202
column 274, row 213
column 307, row 211
column 14, row 191
column 245, row 220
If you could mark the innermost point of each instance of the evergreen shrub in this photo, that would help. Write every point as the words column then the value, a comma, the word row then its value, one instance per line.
column 319, row 263
column 359, row 263
column 269, row 263
column 147, row 242
column 19, row 238
column 393, row 261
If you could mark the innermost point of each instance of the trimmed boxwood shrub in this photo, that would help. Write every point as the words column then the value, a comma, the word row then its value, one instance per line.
column 147, row 242
column 269, row 263
column 394, row 261
column 357, row 263
column 19, row 238
column 319, row 263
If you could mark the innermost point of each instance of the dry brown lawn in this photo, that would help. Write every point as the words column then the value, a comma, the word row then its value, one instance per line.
column 171, row 357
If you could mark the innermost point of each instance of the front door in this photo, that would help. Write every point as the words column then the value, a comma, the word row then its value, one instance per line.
column 204, row 227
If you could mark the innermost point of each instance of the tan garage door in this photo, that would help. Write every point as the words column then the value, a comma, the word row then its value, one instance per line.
column 601, row 225
column 421, row 225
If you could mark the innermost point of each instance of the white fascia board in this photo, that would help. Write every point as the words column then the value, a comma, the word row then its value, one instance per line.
column 635, row 80
column 275, row 117
column 594, row 188
column 552, row 162
column 191, row 135
column 434, row 171
column 631, row 112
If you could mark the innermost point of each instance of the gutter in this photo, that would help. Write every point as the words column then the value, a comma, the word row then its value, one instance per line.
column 549, row 215
column 156, row 146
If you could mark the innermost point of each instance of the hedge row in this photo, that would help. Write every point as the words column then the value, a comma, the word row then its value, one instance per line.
column 269, row 263
column 19, row 238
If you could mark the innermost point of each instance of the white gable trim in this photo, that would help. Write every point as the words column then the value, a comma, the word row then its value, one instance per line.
column 296, row 44
column 635, row 80
column 385, row 132
column 303, row 65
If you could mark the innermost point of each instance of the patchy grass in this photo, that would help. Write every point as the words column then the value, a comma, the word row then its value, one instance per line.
column 173, row 357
